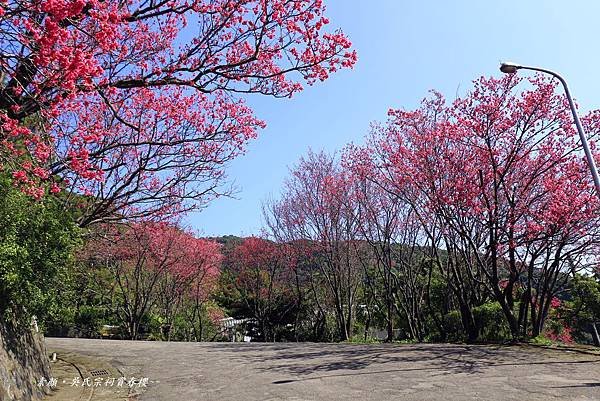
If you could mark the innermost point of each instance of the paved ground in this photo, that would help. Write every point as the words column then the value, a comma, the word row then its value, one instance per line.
column 307, row 371
column 72, row 368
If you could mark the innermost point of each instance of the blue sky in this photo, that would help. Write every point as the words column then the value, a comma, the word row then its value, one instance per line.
column 405, row 48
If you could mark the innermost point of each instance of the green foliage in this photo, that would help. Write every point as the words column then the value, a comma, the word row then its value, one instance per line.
column 583, row 308
column 38, row 275
column 439, row 299
column 360, row 339
column 406, row 341
column 84, row 302
column 586, row 296
column 152, row 325
column 491, row 323
column 37, row 240
column 541, row 340
column 453, row 324
column 229, row 297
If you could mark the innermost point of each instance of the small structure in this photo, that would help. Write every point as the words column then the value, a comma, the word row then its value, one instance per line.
column 237, row 330
column 110, row 331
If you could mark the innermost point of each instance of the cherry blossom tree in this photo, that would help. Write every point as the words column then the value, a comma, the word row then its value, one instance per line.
column 189, row 281
column 316, row 209
column 154, row 264
column 499, row 170
column 195, row 293
column 264, row 278
column 138, row 105
column 302, row 257
column 387, row 224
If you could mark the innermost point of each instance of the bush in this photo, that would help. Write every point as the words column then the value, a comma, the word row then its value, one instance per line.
column 453, row 325
column 541, row 340
column 360, row 339
column 491, row 322
column 38, row 239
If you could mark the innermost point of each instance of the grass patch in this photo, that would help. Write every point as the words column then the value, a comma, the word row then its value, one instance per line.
column 541, row 340
column 360, row 339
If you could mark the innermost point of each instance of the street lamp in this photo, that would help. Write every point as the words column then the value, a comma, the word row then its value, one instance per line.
column 511, row 68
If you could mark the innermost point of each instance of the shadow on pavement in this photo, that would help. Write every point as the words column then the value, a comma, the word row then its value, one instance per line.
column 468, row 370
column 441, row 359
column 579, row 385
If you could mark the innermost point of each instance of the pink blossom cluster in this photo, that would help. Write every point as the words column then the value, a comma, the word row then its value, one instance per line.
column 122, row 88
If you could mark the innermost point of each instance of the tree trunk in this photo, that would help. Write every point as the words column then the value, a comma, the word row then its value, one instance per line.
column 595, row 335
column 510, row 318
column 469, row 323
column 390, row 321
column 367, row 324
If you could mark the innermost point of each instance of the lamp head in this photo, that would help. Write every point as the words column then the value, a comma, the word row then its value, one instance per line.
column 509, row 68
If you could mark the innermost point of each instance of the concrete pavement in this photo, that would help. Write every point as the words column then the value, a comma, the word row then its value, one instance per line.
column 309, row 371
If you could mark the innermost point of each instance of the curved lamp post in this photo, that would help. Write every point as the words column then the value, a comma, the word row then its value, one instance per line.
column 511, row 68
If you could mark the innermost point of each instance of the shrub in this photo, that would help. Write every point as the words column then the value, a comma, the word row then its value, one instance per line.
column 453, row 325
column 38, row 239
column 541, row 340
column 491, row 322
